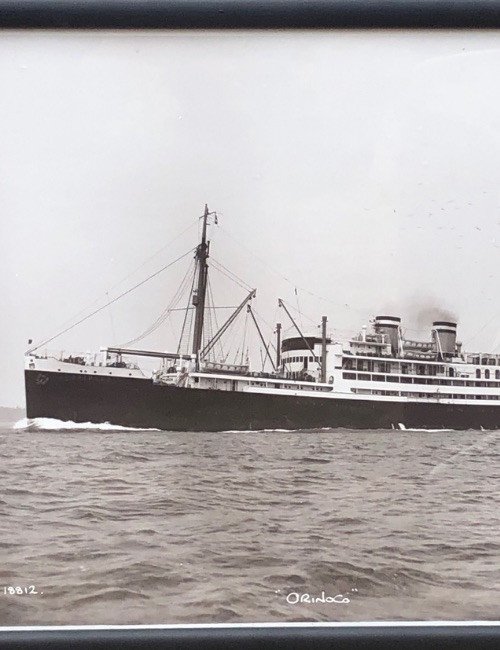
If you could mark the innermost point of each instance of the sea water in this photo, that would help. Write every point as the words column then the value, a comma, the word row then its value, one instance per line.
column 102, row 525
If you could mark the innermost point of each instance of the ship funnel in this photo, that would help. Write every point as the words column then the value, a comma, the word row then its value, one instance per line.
column 389, row 325
column 444, row 335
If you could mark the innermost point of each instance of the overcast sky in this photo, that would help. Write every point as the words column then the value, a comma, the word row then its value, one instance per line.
column 362, row 167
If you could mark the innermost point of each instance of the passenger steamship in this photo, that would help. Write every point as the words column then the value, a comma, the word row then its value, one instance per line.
column 379, row 379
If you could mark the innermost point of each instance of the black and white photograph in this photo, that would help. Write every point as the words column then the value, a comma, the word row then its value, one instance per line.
column 250, row 328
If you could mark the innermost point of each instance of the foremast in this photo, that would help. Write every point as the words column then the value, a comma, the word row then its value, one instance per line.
column 199, row 299
column 199, row 295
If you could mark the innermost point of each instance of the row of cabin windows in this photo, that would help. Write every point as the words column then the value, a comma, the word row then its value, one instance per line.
column 487, row 374
column 396, row 367
column 476, row 360
column 299, row 360
column 363, row 391
column 422, row 380
column 424, row 370
column 263, row 384
column 492, row 361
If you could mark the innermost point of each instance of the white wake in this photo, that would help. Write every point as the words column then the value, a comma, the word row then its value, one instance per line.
column 51, row 424
column 402, row 427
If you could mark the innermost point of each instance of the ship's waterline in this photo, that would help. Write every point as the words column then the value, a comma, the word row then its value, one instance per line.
column 139, row 403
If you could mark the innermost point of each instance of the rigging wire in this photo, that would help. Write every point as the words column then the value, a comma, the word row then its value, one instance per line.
column 188, row 311
column 172, row 328
column 245, row 329
column 296, row 310
column 256, row 315
column 113, row 334
column 165, row 313
column 230, row 334
column 184, row 284
column 470, row 338
column 96, row 311
column 126, row 277
column 191, row 330
column 242, row 286
column 246, row 285
column 160, row 250
column 266, row 323
column 208, row 327
column 262, row 359
column 269, row 343
column 154, row 326
column 290, row 282
column 215, row 317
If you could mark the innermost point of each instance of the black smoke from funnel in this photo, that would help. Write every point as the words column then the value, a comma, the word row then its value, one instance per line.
column 423, row 311
column 425, row 317
column 418, row 313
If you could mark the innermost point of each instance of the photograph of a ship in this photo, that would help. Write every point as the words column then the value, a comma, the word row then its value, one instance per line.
column 249, row 327
column 376, row 380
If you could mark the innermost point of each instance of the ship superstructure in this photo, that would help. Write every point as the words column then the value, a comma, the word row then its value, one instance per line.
column 376, row 379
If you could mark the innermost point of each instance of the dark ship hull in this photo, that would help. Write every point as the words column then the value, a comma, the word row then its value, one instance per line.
column 139, row 403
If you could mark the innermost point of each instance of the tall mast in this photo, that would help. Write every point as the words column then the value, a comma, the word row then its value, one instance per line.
column 323, row 349
column 199, row 295
column 278, row 346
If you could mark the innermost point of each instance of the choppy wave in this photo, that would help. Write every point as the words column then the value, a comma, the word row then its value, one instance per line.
column 51, row 424
column 123, row 528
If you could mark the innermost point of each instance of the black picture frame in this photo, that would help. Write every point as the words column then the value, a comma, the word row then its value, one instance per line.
column 249, row 14
column 345, row 637
column 254, row 14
